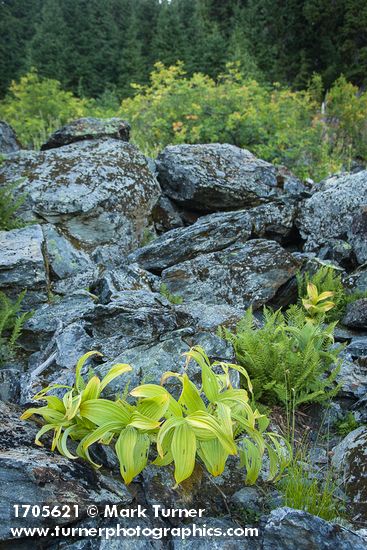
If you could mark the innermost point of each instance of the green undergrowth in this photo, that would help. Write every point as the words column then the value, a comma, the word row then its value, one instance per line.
column 290, row 359
column 329, row 279
column 12, row 320
column 207, row 423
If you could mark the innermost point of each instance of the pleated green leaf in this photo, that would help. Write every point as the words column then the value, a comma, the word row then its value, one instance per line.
column 190, row 398
column 132, row 450
column 213, row 455
column 164, row 432
column 154, row 407
column 183, row 449
column 92, row 389
column 142, row 422
column 98, row 434
column 79, row 381
column 100, row 411
column 204, row 424
column 114, row 372
column 152, row 390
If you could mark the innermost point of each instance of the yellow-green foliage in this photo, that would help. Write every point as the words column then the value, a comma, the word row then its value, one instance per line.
column 275, row 123
column 37, row 106
column 317, row 303
column 302, row 489
column 327, row 279
column 211, row 423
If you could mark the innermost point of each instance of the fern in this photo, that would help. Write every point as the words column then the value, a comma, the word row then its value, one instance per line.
column 12, row 320
column 289, row 359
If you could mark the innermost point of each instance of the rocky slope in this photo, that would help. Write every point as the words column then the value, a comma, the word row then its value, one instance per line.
column 221, row 229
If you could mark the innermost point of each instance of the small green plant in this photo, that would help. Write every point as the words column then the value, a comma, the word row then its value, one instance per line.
column 347, row 424
column 328, row 279
column 8, row 208
column 12, row 320
column 304, row 490
column 209, row 423
column 147, row 237
column 173, row 298
column 317, row 304
column 289, row 359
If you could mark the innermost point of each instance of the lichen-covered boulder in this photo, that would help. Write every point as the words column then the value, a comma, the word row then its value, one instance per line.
column 218, row 176
column 240, row 275
column 97, row 192
column 22, row 264
column 64, row 260
column 350, row 461
column 356, row 314
column 130, row 319
column 289, row 529
column 54, row 316
column 358, row 234
column 8, row 139
column 336, row 211
column 214, row 232
column 88, row 128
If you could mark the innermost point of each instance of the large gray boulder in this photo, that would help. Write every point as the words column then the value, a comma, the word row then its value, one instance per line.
column 64, row 259
column 22, row 264
column 130, row 319
column 356, row 314
column 97, row 192
column 358, row 234
column 218, row 177
column 350, row 461
column 215, row 232
column 353, row 374
column 88, row 128
column 55, row 316
column 240, row 275
column 289, row 529
column 35, row 476
column 335, row 212
column 8, row 139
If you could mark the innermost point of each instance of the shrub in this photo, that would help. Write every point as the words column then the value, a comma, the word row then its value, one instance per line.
column 275, row 123
column 36, row 106
column 211, row 423
column 290, row 360
column 11, row 324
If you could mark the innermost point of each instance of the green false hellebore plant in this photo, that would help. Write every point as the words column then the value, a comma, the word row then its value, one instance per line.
column 211, row 423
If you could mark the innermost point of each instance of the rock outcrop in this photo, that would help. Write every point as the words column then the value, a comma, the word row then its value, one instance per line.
column 8, row 139
column 97, row 192
column 218, row 177
column 141, row 260
column 239, row 275
column 88, row 128
column 336, row 211
column 350, row 461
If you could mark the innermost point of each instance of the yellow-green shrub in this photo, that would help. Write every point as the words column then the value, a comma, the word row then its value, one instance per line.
column 275, row 123
column 37, row 106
